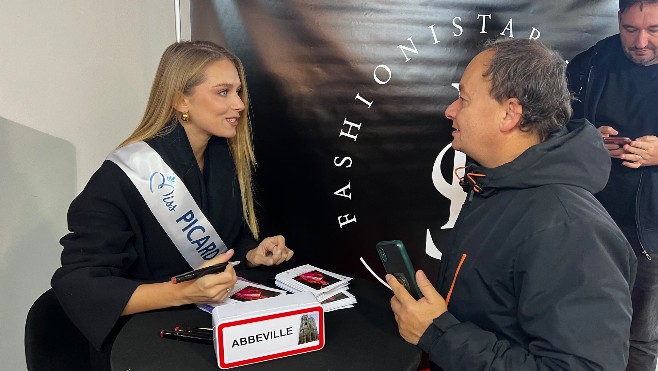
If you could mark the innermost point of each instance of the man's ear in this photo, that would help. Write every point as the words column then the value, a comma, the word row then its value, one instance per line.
column 513, row 114
column 180, row 103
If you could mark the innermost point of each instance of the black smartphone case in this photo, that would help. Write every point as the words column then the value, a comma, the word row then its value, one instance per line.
column 396, row 262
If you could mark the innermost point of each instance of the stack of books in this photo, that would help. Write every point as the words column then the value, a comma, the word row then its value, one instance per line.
column 330, row 289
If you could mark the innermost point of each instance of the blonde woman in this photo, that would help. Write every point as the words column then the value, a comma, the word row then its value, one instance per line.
column 175, row 196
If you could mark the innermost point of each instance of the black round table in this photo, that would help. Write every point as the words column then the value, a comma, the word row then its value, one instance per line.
column 361, row 338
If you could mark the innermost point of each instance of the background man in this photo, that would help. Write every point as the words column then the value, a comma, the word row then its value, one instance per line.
column 616, row 84
column 537, row 275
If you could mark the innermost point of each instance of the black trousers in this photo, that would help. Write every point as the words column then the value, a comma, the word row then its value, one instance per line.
column 644, row 328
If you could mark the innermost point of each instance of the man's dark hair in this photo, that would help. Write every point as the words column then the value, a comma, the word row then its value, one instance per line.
column 536, row 76
column 625, row 4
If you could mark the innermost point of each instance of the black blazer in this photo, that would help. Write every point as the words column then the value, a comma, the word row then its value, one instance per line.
column 115, row 243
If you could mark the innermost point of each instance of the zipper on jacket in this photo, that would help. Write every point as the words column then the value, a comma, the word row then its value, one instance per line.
column 588, row 92
column 454, row 278
column 637, row 217
column 591, row 66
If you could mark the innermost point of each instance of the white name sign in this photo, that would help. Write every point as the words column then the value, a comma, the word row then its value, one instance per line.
column 257, row 331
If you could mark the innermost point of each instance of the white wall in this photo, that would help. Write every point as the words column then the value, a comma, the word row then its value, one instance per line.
column 74, row 79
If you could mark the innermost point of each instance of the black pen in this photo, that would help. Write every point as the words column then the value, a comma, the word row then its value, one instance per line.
column 182, row 336
column 199, row 273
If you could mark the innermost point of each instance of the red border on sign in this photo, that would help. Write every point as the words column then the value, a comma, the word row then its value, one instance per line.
column 221, row 327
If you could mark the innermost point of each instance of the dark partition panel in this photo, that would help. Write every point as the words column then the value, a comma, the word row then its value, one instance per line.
column 348, row 99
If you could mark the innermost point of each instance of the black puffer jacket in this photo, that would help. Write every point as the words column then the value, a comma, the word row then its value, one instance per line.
column 537, row 275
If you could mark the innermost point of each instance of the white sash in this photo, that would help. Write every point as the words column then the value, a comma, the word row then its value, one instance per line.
column 170, row 202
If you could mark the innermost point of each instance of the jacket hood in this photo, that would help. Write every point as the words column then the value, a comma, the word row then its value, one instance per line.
column 575, row 156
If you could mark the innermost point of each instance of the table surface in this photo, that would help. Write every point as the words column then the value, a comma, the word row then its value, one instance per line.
column 361, row 338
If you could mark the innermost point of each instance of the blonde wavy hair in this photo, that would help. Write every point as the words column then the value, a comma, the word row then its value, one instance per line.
column 182, row 67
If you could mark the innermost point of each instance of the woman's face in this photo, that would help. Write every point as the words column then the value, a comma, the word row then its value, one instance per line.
column 214, row 105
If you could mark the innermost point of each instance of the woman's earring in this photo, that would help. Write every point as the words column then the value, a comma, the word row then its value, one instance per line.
column 185, row 116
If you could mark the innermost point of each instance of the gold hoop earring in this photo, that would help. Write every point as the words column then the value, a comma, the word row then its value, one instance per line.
column 185, row 116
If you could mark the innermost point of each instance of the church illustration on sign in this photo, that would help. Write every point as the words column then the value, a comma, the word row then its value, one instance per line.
column 308, row 330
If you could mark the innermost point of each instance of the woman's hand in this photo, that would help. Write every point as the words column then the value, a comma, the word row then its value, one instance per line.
column 211, row 288
column 271, row 251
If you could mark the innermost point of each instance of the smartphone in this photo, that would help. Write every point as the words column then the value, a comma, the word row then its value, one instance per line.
column 396, row 262
column 620, row 141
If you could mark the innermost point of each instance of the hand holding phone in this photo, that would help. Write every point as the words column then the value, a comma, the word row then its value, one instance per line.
column 620, row 141
column 397, row 263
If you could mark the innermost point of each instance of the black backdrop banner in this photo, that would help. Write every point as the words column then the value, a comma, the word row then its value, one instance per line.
column 347, row 100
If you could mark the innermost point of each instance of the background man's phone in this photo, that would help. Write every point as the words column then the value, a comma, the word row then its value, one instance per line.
column 396, row 262
column 620, row 141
